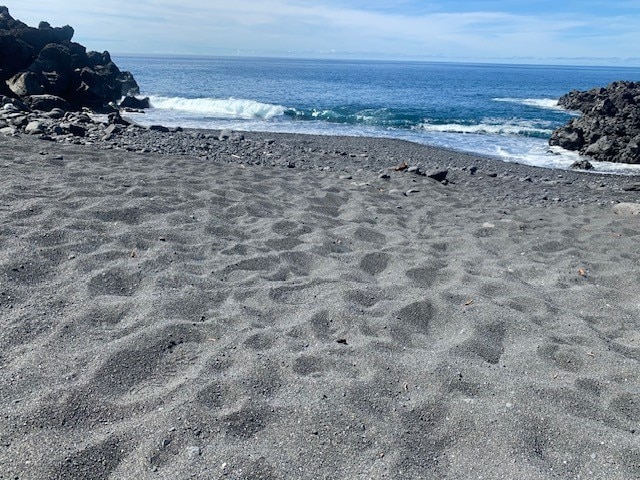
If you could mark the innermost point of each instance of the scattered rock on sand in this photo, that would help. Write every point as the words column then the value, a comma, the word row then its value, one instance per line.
column 438, row 175
column 34, row 128
column 582, row 165
column 634, row 187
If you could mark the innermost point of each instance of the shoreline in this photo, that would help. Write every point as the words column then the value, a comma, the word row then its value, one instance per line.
column 555, row 158
column 489, row 176
column 286, row 306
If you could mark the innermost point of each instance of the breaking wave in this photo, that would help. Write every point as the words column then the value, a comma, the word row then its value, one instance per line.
column 546, row 103
column 227, row 108
column 516, row 128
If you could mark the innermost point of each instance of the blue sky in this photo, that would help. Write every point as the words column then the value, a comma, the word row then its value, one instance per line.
column 544, row 31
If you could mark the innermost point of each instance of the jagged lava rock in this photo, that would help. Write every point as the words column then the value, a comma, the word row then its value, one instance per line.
column 136, row 103
column 44, row 61
column 609, row 128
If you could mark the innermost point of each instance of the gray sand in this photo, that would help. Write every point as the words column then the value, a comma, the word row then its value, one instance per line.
column 178, row 317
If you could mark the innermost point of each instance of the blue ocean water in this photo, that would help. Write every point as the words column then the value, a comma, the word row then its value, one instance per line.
column 506, row 111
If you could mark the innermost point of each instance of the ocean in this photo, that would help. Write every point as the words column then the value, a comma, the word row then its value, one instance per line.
column 505, row 111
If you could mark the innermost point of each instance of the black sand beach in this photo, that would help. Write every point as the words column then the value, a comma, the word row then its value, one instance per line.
column 280, row 306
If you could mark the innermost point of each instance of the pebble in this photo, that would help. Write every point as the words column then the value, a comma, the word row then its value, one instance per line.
column 34, row 128
column 11, row 108
column 438, row 175
column 627, row 209
column 194, row 451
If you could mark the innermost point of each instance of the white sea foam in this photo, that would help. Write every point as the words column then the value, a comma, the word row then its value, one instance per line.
column 546, row 103
column 229, row 108
column 512, row 141
column 509, row 148
column 515, row 128
column 525, row 150
column 322, row 114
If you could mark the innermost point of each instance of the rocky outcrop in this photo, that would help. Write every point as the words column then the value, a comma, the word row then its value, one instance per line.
column 135, row 103
column 44, row 61
column 609, row 128
column 50, row 118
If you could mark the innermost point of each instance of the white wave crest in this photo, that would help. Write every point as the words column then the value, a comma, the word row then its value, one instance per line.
column 229, row 108
column 546, row 103
column 523, row 128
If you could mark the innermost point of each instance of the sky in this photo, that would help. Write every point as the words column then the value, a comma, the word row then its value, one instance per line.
column 544, row 31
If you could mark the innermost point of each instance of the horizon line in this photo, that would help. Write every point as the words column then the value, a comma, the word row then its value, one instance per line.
column 549, row 61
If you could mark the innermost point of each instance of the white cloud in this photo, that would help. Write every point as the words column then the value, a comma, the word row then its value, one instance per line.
column 272, row 26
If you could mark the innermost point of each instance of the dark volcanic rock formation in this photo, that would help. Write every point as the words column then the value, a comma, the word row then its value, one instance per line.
column 44, row 61
column 609, row 128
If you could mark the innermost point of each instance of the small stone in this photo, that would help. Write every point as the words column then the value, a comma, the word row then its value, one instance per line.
column 384, row 176
column 77, row 130
column 438, row 175
column 158, row 128
column 581, row 165
column 56, row 113
column 112, row 129
column 627, row 209
column 10, row 108
column 34, row 128
column 8, row 131
column 194, row 451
